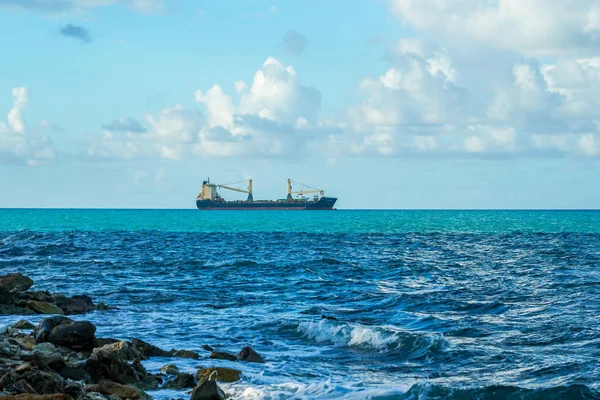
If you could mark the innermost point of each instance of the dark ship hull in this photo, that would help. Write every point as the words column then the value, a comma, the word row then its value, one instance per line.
column 324, row 203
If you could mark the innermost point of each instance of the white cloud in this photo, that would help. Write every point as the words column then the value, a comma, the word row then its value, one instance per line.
column 533, row 27
column 275, row 116
column 17, row 143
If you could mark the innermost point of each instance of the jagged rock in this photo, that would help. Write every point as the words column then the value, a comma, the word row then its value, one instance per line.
column 62, row 331
column 221, row 355
column 149, row 350
column 99, row 342
column 116, row 389
column 47, row 353
column 181, row 381
column 249, row 355
column 122, row 350
column 75, row 374
column 26, row 342
column 11, row 309
column 56, row 396
column 170, row 369
column 44, row 296
column 207, row 347
column 102, row 307
column 22, row 324
column 42, row 307
column 104, row 365
column 219, row 374
column 185, row 354
column 74, row 305
column 13, row 284
column 209, row 390
column 329, row 317
column 43, row 382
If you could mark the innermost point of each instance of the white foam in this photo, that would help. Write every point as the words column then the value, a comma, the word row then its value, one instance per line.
column 350, row 334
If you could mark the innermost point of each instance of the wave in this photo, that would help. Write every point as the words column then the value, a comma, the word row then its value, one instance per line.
column 382, row 339
column 495, row 392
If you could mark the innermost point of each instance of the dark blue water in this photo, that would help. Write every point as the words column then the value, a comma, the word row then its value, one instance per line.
column 489, row 305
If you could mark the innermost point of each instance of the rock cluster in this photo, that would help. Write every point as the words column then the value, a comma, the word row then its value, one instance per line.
column 16, row 299
column 62, row 359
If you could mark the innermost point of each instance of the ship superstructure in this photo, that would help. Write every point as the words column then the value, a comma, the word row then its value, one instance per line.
column 210, row 199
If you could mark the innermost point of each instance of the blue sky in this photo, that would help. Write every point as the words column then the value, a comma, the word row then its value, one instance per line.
column 384, row 104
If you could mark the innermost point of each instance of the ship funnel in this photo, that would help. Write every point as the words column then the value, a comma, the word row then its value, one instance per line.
column 289, row 185
column 250, row 197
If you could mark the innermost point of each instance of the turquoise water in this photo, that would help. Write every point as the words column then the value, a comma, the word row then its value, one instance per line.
column 339, row 221
column 426, row 304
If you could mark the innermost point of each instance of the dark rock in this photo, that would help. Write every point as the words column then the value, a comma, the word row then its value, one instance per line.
column 99, row 342
column 22, row 386
column 10, row 309
column 43, row 382
column 56, row 396
column 115, row 389
column 13, row 284
column 22, row 324
column 219, row 374
column 207, row 347
column 221, row 355
column 73, row 389
column 107, row 366
column 62, row 331
column 249, row 355
column 149, row 350
column 209, row 390
column 170, row 369
column 44, row 296
column 75, row 374
column 122, row 350
column 181, row 381
column 185, row 354
column 102, row 307
column 74, row 305
column 328, row 317
column 47, row 353
column 42, row 307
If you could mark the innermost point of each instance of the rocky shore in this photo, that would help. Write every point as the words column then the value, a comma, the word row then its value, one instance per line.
column 62, row 359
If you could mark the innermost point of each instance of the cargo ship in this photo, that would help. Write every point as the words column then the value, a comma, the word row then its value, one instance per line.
column 210, row 199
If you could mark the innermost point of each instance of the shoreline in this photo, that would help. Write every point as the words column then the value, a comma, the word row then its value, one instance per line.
column 62, row 359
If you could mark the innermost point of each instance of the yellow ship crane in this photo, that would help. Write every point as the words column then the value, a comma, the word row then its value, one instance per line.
column 249, row 191
column 303, row 191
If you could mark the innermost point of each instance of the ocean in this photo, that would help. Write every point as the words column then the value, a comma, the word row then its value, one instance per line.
column 422, row 304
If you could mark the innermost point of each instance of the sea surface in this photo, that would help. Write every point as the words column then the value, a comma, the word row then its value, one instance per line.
column 427, row 304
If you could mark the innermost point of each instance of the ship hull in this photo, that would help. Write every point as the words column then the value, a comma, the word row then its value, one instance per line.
column 324, row 203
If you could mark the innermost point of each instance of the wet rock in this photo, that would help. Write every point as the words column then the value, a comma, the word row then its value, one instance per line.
column 22, row 324
column 73, row 389
column 26, row 342
column 75, row 374
column 11, row 309
column 170, row 369
column 149, row 350
column 249, row 355
column 329, row 317
column 219, row 374
column 185, row 354
column 99, row 342
column 209, row 390
column 221, row 355
column 181, row 381
column 122, row 350
column 102, row 307
column 42, row 307
column 74, row 305
column 42, row 382
column 62, row 331
column 207, row 347
column 13, row 284
column 107, row 366
column 56, row 396
column 116, row 389
column 44, row 296
column 47, row 353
